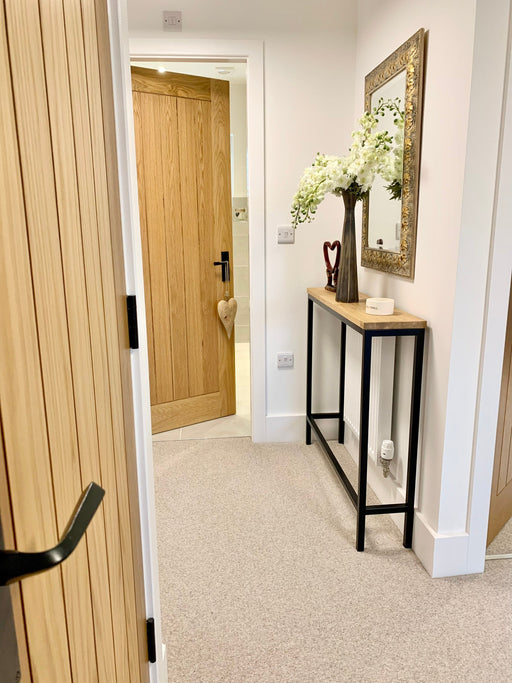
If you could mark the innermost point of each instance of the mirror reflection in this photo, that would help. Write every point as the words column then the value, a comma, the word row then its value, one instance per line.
column 384, row 211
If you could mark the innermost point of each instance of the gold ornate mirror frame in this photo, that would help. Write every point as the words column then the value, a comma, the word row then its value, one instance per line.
column 408, row 57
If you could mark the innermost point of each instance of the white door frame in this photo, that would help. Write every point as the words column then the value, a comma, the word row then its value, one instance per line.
column 481, row 304
column 494, row 332
column 123, row 108
column 252, row 53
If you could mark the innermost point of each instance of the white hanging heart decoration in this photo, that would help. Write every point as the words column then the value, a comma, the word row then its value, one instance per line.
column 227, row 312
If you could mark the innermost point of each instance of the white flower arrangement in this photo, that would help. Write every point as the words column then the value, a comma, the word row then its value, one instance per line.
column 371, row 153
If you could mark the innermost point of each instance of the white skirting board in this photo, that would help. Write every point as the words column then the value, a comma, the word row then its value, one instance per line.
column 441, row 554
column 285, row 428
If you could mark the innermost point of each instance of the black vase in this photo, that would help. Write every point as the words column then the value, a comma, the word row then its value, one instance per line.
column 347, row 289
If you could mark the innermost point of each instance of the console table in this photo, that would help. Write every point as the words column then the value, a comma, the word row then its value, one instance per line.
column 399, row 324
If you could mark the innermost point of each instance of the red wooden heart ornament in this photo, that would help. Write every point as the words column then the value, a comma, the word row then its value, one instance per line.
column 332, row 270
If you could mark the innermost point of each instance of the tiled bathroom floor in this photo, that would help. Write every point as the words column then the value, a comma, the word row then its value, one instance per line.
column 232, row 425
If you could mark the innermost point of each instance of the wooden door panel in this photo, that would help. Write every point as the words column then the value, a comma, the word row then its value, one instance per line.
column 121, row 361
column 504, row 432
column 97, row 465
column 27, row 53
column 198, row 254
column 65, row 420
column 208, row 246
column 85, row 661
column 182, row 141
column 9, row 542
column 156, row 219
column 174, row 238
column 31, row 498
column 186, row 411
column 126, row 589
column 221, row 187
column 192, row 273
column 180, row 85
column 501, row 495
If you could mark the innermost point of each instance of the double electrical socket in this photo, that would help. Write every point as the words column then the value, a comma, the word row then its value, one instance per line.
column 285, row 360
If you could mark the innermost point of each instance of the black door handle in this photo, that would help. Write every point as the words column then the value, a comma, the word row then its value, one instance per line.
column 225, row 265
column 15, row 565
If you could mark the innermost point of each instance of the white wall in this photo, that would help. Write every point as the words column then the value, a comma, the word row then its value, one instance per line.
column 309, row 53
column 238, row 126
column 460, row 148
column 383, row 26
column 238, row 129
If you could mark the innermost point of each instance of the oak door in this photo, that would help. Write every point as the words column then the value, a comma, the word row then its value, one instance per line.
column 64, row 360
column 500, row 510
column 183, row 169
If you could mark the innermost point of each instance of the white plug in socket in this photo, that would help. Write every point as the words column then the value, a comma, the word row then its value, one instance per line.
column 285, row 234
column 285, row 360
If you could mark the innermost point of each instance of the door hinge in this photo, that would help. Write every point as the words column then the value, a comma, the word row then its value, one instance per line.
column 150, row 629
column 133, row 329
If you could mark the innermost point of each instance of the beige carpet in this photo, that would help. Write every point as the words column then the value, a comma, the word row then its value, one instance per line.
column 260, row 580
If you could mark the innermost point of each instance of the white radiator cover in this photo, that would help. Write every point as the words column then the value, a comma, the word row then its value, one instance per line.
column 381, row 389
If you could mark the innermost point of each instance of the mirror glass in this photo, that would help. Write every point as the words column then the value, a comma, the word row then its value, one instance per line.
column 385, row 213
column 389, row 225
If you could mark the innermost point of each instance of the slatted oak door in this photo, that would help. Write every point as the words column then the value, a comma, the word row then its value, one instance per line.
column 64, row 363
column 183, row 169
column 501, row 495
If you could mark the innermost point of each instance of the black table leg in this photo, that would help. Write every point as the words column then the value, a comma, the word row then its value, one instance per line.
column 363, row 438
column 309, row 370
column 343, row 348
column 419, row 341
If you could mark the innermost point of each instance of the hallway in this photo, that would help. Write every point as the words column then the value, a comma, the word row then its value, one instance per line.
column 260, row 580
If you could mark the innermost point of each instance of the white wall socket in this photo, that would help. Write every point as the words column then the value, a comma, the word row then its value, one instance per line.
column 285, row 234
column 285, row 360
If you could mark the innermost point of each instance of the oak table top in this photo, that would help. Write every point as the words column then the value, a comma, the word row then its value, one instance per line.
column 357, row 315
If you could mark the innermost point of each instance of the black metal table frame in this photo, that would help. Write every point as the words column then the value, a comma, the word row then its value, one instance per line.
column 359, row 498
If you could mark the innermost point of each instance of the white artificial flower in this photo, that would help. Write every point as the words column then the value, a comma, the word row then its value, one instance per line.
column 371, row 154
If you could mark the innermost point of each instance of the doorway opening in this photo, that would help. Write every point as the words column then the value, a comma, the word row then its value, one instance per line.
column 499, row 534
column 234, row 72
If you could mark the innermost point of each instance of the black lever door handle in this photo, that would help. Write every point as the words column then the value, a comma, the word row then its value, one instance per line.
column 15, row 565
column 225, row 265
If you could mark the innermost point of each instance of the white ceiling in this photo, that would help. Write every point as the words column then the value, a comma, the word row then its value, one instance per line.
column 206, row 69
